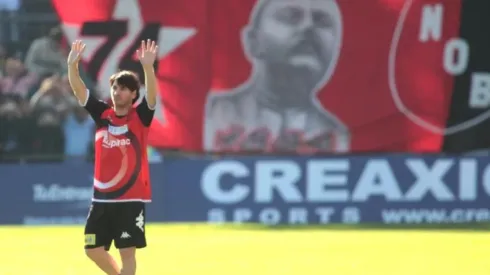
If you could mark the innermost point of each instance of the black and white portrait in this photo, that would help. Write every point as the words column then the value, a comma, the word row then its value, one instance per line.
column 293, row 46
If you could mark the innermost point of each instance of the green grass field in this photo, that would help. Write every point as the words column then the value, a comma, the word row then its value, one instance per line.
column 213, row 250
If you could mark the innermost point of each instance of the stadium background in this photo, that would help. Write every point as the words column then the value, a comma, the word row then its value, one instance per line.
column 405, row 199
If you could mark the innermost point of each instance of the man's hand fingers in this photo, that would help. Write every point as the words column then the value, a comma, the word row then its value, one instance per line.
column 83, row 48
column 80, row 45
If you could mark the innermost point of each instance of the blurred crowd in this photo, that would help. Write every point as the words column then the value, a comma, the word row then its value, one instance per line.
column 40, row 118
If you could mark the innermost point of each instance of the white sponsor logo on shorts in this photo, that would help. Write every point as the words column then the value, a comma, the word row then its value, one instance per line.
column 140, row 221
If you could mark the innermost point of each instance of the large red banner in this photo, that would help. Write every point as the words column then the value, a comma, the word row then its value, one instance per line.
column 283, row 75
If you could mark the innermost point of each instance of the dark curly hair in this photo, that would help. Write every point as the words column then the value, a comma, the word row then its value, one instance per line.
column 127, row 79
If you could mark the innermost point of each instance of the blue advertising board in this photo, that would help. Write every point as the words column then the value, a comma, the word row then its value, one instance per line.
column 396, row 189
column 54, row 193
column 350, row 190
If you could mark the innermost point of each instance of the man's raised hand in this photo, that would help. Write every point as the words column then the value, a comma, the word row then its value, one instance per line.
column 76, row 51
column 147, row 53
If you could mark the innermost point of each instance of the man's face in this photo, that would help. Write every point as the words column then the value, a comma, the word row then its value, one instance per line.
column 122, row 96
column 298, row 33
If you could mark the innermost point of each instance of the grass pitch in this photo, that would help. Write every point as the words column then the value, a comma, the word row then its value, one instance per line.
column 213, row 250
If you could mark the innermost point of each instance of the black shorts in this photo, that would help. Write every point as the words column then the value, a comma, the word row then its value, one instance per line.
column 123, row 222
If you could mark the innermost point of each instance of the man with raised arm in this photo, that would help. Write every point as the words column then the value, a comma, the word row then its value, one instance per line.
column 121, row 176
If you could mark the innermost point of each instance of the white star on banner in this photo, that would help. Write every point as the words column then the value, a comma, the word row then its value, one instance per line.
column 169, row 38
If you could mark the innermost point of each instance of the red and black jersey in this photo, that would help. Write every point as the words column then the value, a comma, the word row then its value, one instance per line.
column 121, row 163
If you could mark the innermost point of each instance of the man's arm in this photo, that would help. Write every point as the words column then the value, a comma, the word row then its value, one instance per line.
column 146, row 108
column 151, row 86
column 145, row 113
column 147, row 55
column 85, row 98
column 76, row 82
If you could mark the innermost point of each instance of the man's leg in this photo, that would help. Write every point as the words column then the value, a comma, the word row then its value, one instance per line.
column 128, row 259
column 103, row 260
column 98, row 239
column 130, row 234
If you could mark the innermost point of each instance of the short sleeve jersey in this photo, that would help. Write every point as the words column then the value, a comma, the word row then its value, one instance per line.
column 121, row 171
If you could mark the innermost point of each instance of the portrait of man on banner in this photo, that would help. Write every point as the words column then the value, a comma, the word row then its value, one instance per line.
column 293, row 47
